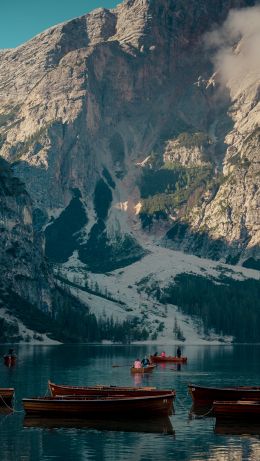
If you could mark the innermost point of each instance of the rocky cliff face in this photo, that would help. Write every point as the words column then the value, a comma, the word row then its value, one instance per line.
column 86, row 102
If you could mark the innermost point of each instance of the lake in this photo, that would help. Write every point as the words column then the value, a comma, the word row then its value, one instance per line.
column 182, row 438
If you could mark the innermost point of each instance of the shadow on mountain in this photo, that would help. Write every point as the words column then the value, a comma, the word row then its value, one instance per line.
column 181, row 237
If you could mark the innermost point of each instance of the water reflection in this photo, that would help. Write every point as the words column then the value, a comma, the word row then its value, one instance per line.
column 200, row 411
column 236, row 427
column 196, row 438
column 158, row 425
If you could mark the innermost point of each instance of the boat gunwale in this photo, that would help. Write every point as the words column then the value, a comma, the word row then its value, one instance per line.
column 230, row 388
column 99, row 398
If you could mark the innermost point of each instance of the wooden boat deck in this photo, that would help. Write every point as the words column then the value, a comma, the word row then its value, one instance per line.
column 61, row 389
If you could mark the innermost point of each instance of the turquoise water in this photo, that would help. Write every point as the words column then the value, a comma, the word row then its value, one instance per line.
column 182, row 438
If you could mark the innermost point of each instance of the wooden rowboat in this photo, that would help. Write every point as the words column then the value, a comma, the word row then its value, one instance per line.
column 240, row 409
column 61, row 389
column 147, row 369
column 207, row 395
column 172, row 359
column 100, row 406
column 6, row 396
column 9, row 360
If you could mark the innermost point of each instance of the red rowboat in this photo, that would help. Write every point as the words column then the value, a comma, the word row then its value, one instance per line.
column 238, row 409
column 61, row 389
column 6, row 396
column 206, row 395
column 100, row 406
column 147, row 369
column 169, row 358
column 9, row 360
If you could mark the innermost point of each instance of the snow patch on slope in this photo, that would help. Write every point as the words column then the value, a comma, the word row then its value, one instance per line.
column 129, row 297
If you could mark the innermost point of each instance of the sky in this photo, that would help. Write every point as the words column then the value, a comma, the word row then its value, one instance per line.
column 21, row 20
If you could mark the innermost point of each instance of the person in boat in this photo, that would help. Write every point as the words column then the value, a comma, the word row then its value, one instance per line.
column 11, row 354
column 163, row 354
column 145, row 362
column 137, row 363
column 178, row 352
column 155, row 354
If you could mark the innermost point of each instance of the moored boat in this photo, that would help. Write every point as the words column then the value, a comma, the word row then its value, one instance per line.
column 207, row 395
column 172, row 359
column 147, row 369
column 6, row 396
column 105, row 407
column 61, row 389
column 236, row 409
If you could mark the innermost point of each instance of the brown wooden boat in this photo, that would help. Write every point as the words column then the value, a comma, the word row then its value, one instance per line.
column 160, row 425
column 172, row 359
column 240, row 409
column 105, row 407
column 61, row 389
column 9, row 360
column 147, row 369
column 207, row 395
column 6, row 396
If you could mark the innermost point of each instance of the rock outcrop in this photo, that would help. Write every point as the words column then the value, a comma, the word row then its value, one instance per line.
column 85, row 102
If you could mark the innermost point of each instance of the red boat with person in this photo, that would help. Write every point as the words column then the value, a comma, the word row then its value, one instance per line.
column 147, row 369
column 169, row 358
column 206, row 395
column 10, row 358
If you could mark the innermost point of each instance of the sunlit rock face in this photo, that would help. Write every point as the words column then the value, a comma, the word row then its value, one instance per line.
column 84, row 103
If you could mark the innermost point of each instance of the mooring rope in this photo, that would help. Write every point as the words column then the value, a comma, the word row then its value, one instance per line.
column 12, row 409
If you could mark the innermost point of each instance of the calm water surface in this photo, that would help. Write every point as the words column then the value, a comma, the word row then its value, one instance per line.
column 183, row 438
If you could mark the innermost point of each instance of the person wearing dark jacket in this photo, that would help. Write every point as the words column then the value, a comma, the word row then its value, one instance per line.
column 178, row 352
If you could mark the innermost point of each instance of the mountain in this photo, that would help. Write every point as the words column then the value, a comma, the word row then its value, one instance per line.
column 127, row 125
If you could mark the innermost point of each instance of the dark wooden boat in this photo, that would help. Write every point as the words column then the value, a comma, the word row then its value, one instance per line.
column 160, row 425
column 209, row 394
column 147, row 369
column 105, row 407
column 241, row 409
column 6, row 396
column 172, row 359
column 9, row 360
column 61, row 389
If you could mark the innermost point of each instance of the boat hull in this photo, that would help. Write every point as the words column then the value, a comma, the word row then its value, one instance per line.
column 207, row 395
column 9, row 360
column 6, row 396
column 171, row 359
column 105, row 407
column 59, row 390
column 242, row 409
column 147, row 369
